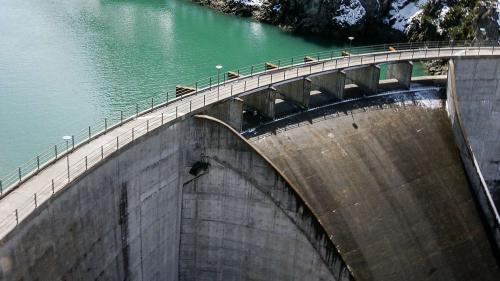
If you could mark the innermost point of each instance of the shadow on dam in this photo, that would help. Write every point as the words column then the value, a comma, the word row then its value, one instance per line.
column 365, row 189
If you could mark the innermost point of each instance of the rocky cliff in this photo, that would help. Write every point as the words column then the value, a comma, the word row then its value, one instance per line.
column 417, row 19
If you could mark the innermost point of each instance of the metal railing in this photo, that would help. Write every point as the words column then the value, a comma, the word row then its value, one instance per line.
column 193, row 97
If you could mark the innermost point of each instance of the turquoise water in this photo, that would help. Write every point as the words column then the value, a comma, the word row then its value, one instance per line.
column 66, row 64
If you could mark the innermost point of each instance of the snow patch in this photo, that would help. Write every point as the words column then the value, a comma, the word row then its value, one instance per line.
column 350, row 13
column 403, row 12
column 251, row 3
column 498, row 12
column 442, row 14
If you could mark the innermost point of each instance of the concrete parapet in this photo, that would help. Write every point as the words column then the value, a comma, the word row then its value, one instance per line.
column 229, row 112
column 263, row 101
column 298, row 91
column 332, row 83
column 182, row 90
column 400, row 71
column 366, row 77
column 270, row 66
column 232, row 75
column 309, row 59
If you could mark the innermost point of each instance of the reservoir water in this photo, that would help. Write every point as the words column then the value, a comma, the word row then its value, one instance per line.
column 66, row 64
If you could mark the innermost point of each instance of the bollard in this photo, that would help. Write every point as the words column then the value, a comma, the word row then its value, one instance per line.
column 17, row 218
column 38, row 163
column 52, row 186
column 86, row 163
column 19, row 171
column 36, row 205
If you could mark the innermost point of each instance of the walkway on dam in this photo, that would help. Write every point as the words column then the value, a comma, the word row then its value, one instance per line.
column 35, row 189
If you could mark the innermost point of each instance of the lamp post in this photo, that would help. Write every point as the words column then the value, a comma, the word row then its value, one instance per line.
column 219, row 67
column 67, row 138
column 350, row 43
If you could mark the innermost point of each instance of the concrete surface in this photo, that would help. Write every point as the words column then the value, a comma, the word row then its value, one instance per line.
column 478, row 94
column 332, row 83
column 468, row 145
column 387, row 181
column 126, row 218
column 298, row 91
column 229, row 111
column 400, row 71
column 366, row 77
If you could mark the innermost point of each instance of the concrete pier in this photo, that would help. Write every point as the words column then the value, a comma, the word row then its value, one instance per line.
column 366, row 77
column 298, row 91
column 400, row 71
column 230, row 112
column 263, row 101
column 332, row 83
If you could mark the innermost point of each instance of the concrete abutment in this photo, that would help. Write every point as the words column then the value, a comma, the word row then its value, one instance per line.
column 332, row 83
column 400, row 71
column 366, row 77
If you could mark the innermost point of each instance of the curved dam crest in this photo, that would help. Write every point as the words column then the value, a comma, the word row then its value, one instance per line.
column 355, row 185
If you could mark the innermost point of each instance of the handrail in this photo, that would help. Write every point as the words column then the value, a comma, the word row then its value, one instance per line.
column 189, row 102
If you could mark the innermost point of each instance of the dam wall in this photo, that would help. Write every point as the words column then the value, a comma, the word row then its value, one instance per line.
column 146, row 213
column 468, row 115
column 387, row 180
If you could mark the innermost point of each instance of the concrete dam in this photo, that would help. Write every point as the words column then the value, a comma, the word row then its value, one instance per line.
column 318, row 171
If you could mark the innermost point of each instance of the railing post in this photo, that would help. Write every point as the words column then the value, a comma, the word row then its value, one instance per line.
column 72, row 142
column 19, row 172
column 251, row 71
column 162, row 116
column 121, row 117
column 37, row 163
column 105, row 124
column 1, row 188
column 136, row 110
column 53, row 187
column 89, row 133
column 210, row 83
column 279, row 63
column 152, row 103
column 196, row 86
column 292, row 61
column 147, row 126
column 55, row 150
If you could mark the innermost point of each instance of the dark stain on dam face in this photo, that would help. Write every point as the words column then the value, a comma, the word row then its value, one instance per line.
column 124, row 229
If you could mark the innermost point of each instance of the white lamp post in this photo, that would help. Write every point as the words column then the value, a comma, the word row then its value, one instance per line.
column 67, row 138
column 350, row 43
column 219, row 67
